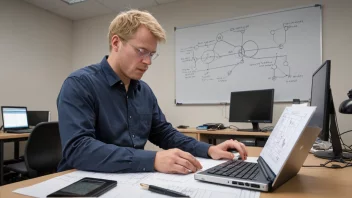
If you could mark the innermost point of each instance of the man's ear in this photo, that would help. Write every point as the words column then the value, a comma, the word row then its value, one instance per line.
column 115, row 43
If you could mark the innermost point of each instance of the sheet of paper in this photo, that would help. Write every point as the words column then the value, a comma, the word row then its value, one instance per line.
column 285, row 134
column 128, row 184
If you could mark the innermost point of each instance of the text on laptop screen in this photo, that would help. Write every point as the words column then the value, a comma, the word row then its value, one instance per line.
column 15, row 117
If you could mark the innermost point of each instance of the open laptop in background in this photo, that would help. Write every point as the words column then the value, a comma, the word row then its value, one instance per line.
column 15, row 119
column 281, row 158
column 36, row 117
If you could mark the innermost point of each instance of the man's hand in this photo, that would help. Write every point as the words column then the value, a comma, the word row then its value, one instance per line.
column 176, row 161
column 220, row 151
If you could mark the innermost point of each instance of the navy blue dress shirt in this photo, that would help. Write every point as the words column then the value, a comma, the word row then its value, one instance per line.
column 103, row 128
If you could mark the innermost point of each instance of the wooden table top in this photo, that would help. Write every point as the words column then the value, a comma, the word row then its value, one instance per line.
column 310, row 182
column 4, row 136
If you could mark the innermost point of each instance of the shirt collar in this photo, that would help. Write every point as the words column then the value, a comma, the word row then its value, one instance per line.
column 112, row 77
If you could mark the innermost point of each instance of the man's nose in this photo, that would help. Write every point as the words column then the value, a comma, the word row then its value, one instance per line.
column 147, row 60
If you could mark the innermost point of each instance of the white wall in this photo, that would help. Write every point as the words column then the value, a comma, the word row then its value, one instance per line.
column 90, row 44
column 35, row 57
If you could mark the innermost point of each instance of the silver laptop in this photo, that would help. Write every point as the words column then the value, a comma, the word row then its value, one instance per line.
column 15, row 119
column 281, row 158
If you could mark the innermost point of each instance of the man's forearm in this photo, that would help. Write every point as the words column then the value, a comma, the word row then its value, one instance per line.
column 176, row 139
column 92, row 155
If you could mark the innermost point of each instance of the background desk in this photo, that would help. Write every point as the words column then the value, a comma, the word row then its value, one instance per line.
column 310, row 182
column 211, row 136
column 9, row 137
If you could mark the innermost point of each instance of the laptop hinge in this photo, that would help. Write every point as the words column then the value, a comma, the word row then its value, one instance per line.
column 268, row 173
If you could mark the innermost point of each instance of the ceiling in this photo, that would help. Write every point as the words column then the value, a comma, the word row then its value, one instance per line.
column 93, row 8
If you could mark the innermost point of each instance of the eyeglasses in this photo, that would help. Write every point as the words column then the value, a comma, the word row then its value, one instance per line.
column 143, row 53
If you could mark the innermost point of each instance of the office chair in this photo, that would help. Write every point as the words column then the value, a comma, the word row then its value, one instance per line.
column 42, row 153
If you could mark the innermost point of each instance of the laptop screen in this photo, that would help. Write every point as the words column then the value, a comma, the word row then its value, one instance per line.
column 14, row 117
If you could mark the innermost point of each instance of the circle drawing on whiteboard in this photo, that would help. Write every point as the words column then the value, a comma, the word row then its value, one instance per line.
column 250, row 49
column 219, row 37
column 208, row 56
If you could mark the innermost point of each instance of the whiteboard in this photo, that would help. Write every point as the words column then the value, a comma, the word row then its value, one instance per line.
column 279, row 50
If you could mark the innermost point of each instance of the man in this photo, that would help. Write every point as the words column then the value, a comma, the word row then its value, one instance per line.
column 107, row 114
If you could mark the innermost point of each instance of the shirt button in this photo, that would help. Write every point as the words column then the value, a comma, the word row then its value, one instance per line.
column 133, row 136
column 134, row 146
column 127, row 97
column 143, row 169
column 121, row 83
column 130, row 117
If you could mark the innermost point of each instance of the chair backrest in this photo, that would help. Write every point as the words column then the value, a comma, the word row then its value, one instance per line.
column 43, row 149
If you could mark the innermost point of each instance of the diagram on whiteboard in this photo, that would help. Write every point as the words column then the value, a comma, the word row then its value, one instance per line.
column 275, row 50
column 232, row 45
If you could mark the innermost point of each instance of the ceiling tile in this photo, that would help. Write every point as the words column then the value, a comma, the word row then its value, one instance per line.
column 127, row 4
column 47, row 5
column 164, row 1
column 93, row 8
column 87, row 9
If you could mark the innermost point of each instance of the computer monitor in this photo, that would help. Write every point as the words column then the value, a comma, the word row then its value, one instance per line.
column 14, row 117
column 320, row 97
column 325, row 116
column 36, row 117
column 254, row 106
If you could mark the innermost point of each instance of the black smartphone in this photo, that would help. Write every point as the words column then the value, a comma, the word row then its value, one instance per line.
column 86, row 187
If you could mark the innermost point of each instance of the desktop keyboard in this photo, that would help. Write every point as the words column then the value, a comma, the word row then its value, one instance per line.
column 237, row 169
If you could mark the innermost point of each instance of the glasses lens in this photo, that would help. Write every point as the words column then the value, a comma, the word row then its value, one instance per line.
column 155, row 55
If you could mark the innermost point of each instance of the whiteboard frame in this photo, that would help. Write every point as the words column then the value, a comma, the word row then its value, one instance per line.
column 244, row 17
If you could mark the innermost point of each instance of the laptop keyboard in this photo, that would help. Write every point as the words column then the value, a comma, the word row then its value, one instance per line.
column 237, row 169
column 20, row 131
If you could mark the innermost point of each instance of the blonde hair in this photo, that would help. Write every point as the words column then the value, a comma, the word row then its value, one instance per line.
column 126, row 24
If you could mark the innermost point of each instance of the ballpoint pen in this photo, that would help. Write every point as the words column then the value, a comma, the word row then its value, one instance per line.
column 163, row 191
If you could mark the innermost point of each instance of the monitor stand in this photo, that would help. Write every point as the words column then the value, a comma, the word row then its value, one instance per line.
column 254, row 129
column 336, row 153
column 331, row 155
